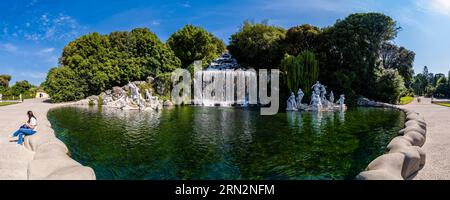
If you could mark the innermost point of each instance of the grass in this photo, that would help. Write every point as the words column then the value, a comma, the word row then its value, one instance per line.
column 446, row 104
column 406, row 100
column 7, row 103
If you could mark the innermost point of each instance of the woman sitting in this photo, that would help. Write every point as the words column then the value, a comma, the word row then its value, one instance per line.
column 27, row 129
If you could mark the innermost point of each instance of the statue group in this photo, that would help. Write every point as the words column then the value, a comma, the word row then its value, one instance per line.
column 319, row 100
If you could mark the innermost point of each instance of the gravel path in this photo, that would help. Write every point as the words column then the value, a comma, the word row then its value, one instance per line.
column 14, row 160
column 437, row 146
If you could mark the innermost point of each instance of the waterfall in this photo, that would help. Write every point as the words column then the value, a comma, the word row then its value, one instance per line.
column 225, row 87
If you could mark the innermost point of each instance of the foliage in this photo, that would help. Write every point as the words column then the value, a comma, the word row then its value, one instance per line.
column 399, row 58
column 193, row 43
column 21, row 88
column 349, row 52
column 301, row 38
column 301, row 71
column 4, row 80
column 406, row 100
column 63, row 84
column 390, row 86
column 257, row 45
column 105, row 61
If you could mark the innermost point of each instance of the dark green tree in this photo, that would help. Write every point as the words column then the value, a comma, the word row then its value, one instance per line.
column 301, row 38
column 349, row 53
column 399, row 58
column 390, row 86
column 257, row 45
column 193, row 43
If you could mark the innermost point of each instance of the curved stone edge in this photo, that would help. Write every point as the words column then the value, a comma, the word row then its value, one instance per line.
column 404, row 157
column 52, row 161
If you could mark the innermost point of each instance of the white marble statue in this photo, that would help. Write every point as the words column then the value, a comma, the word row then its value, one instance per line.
column 317, row 87
column 135, row 95
column 300, row 96
column 316, row 103
column 291, row 103
column 331, row 97
column 323, row 92
column 1, row 97
column 341, row 102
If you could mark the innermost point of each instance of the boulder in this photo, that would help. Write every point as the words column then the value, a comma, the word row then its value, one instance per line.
column 150, row 79
column 108, row 92
column 413, row 128
column 378, row 175
column 416, row 123
column 415, row 138
column 83, row 102
column 137, row 83
column 117, row 92
column 40, row 169
column 167, row 103
column 412, row 161
column 399, row 143
column 72, row 173
column 390, row 166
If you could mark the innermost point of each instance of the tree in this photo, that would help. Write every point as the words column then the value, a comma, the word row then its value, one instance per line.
column 349, row 54
column 193, row 43
column 390, row 86
column 257, row 45
column 301, row 38
column 420, row 84
column 300, row 71
column 4, row 80
column 21, row 87
column 399, row 58
column 63, row 84
column 105, row 61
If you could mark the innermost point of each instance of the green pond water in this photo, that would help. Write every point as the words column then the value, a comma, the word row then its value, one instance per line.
column 197, row 143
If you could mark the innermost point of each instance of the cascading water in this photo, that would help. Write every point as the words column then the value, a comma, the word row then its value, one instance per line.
column 225, row 87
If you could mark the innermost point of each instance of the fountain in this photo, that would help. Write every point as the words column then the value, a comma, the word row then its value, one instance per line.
column 318, row 102
column 120, row 99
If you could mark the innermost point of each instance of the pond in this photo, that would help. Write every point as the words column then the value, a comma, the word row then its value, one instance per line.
column 200, row 143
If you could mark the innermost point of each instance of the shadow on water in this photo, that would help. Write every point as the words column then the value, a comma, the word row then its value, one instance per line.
column 188, row 143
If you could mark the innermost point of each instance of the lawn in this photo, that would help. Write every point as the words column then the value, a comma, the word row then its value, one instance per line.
column 7, row 103
column 446, row 104
column 406, row 100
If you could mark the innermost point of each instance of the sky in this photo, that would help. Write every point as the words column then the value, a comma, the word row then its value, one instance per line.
column 34, row 32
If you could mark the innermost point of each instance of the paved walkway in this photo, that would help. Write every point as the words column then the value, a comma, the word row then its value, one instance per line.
column 14, row 160
column 437, row 146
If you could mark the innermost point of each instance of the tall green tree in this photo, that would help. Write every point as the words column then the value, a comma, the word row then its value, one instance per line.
column 349, row 52
column 390, row 86
column 301, row 38
column 399, row 58
column 257, row 45
column 193, row 43
column 300, row 71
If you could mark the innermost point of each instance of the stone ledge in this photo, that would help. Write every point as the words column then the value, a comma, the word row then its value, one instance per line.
column 52, row 161
column 404, row 157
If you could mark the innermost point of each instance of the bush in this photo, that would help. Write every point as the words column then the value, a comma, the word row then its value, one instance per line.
column 62, row 84
column 390, row 86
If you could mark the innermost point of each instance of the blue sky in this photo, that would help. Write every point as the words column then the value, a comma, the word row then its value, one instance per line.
column 33, row 32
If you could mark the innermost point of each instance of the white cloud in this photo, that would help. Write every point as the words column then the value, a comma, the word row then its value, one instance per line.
column 156, row 22
column 47, row 50
column 434, row 6
column 8, row 47
column 35, row 75
column 185, row 4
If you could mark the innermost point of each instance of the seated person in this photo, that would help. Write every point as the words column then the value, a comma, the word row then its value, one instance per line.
column 27, row 129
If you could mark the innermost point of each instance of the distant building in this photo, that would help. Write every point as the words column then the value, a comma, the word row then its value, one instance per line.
column 42, row 95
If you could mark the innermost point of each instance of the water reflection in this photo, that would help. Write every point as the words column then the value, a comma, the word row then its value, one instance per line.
column 224, row 143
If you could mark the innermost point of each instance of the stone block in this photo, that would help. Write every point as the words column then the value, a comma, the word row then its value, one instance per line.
column 40, row 169
column 72, row 173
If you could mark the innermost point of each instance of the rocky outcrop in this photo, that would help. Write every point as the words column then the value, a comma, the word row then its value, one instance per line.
column 404, row 157
column 52, row 161
column 130, row 97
